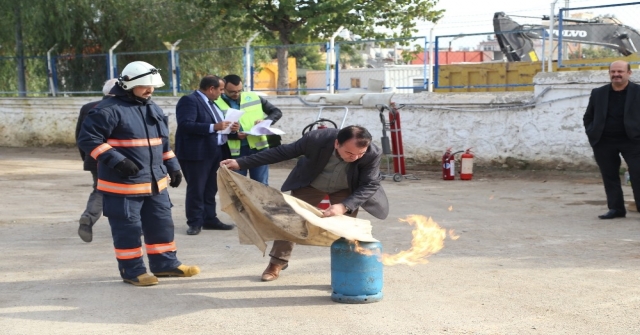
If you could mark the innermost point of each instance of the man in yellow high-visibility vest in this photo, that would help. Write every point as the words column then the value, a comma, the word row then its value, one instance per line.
column 256, row 109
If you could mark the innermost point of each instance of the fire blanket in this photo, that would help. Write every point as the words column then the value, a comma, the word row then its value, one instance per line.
column 263, row 213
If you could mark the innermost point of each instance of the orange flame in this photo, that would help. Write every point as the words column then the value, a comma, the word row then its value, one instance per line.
column 362, row 251
column 450, row 208
column 428, row 239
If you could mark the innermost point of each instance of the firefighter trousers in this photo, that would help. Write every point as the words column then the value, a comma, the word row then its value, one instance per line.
column 150, row 216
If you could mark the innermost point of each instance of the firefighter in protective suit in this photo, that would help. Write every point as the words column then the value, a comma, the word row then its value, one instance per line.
column 128, row 135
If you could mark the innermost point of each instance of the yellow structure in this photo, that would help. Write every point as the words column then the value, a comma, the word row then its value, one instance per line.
column 463, row 77
column 267, row 77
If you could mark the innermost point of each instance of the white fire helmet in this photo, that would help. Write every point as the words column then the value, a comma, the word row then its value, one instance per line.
column 140, row 73
column 108, row 85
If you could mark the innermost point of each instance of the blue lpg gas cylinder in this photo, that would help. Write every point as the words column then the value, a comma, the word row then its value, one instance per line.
column 355, row 278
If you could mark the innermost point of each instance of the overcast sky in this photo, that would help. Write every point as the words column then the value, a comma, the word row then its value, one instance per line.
column 476, row 16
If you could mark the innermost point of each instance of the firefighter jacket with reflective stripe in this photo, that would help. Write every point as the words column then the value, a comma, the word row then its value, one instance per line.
column 251, row 104
column 124, row 127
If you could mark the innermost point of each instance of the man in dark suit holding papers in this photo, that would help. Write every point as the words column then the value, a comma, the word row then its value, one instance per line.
column 200, row 147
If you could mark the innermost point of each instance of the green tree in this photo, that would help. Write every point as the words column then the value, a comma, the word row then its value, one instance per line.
column 351, row 55
column 299, row 21
column 84, row 30
column 308, row 56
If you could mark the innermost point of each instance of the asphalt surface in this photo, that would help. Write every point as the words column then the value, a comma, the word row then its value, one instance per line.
column 532, row 258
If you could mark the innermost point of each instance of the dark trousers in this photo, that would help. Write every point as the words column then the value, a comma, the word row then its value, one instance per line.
column 93, row 211
column 607, row 154
column 202, row 185
column 281, row 250
column 129, row 217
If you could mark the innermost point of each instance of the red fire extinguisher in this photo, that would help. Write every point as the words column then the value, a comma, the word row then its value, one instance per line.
column 396, row 140
column 448, row 165
column 466, row 167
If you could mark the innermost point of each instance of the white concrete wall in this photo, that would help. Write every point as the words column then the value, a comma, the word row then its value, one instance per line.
column 540, row 128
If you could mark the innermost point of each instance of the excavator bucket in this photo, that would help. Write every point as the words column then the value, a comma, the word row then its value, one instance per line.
column 514, row 39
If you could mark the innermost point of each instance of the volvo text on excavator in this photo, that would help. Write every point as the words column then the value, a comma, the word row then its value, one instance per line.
column 516, row 43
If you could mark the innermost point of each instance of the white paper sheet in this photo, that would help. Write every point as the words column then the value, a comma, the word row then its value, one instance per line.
column 263, row 128
column 232, row 115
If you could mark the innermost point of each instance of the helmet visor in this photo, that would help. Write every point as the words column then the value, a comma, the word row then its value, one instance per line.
column 151, row 72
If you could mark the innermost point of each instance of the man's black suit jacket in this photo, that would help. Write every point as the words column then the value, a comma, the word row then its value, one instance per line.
column 316, row 148
column 596, row 115
column 193, row 140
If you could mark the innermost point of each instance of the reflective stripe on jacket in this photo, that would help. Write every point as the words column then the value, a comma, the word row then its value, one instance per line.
column 119, row 128
column 252, row 106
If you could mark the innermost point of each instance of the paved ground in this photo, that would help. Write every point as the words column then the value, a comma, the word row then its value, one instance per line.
column 532, row 258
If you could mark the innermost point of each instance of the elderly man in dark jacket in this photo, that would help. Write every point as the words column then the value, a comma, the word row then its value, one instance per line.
column 341, row 163
column 612, row 124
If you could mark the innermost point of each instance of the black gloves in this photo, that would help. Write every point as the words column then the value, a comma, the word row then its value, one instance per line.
column 176, row 178
column 126, row 168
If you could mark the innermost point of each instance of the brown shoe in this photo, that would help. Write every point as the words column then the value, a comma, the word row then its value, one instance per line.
column 180, row 271
column 273, row 271
column 144, row 279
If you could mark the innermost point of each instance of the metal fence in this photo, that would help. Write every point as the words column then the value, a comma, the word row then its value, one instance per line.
column 363, row 65
column 401, row 65
column 35, row 75
column 192, row 65
column 77, row 74
column 371, row 65
column 596, row 32
column 573, row 34
column 303, row 59
column 396, row 64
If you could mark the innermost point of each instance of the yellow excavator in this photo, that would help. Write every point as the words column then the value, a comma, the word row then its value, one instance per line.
column 516, row 43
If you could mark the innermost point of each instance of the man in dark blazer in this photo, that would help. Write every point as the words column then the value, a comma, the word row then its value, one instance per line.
column 341, row 163
column 200, row 147
column 612, row 124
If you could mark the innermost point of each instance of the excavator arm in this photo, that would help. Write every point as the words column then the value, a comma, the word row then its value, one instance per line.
column 516, row 43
